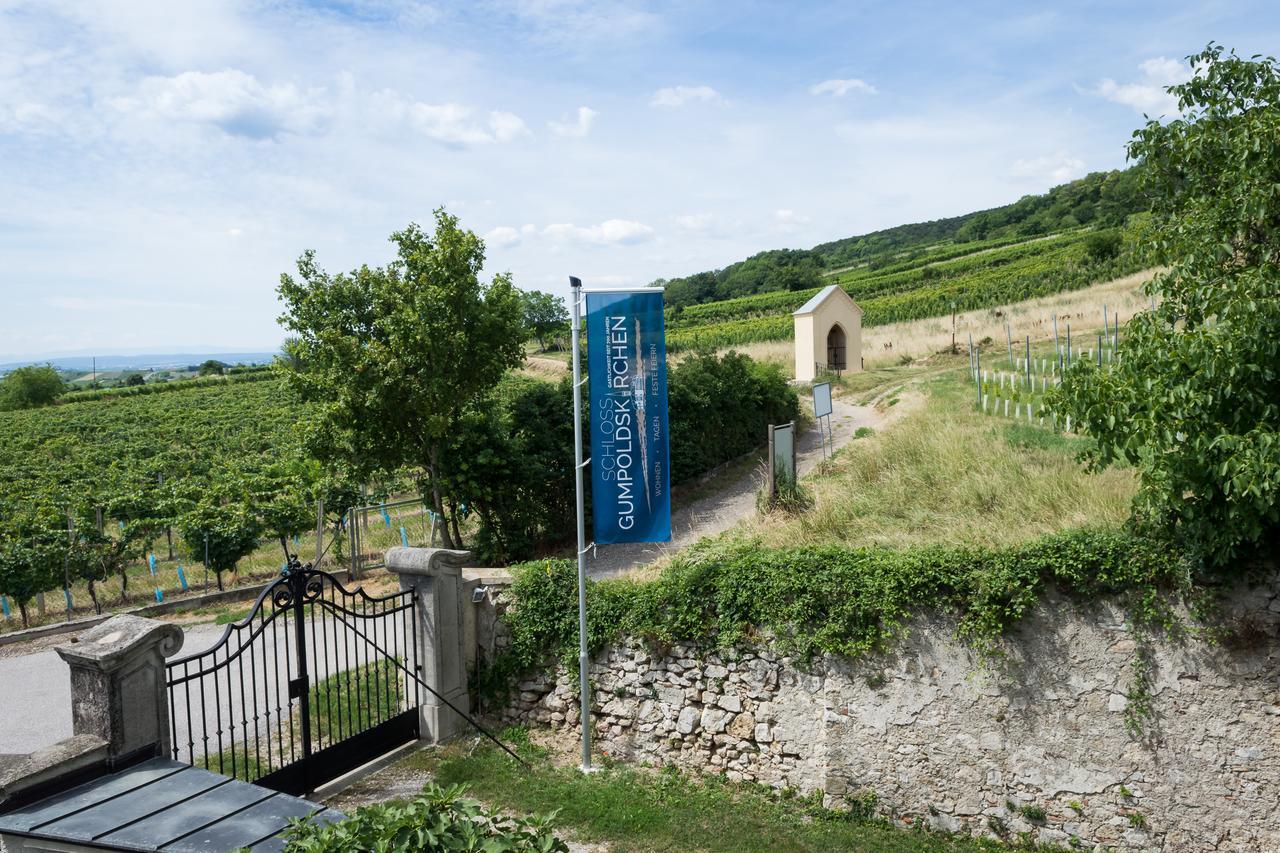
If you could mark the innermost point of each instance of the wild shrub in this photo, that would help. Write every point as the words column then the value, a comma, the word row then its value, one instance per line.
column 437, row 819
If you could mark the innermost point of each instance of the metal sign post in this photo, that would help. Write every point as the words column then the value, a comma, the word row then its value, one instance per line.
column 822, row 411
column 579, row 464
column 628, row 418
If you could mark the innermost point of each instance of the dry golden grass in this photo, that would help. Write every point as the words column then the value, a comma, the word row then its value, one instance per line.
column 550, row 369
column 884, row 345
column 946, row 474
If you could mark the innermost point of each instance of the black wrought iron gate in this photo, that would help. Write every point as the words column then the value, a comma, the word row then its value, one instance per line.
column 315, row 681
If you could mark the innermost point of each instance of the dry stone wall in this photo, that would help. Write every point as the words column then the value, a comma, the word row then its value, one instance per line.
column 1034, row 742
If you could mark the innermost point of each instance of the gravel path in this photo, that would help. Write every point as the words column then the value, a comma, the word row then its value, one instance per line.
column 716, row 513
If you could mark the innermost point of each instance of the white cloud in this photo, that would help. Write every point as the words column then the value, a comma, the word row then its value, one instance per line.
column 231, row 100
column 611, row 232
column 507, row 126
column 1148, row 95
column 450, row 123
column 788, row 221
column 1052, row 169
column 695, row 223
column 678, row 96
column 503, row 236
column 579, row 128
column 840, row 88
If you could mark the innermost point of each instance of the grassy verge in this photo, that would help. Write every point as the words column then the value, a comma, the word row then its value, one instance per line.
column 637, row 810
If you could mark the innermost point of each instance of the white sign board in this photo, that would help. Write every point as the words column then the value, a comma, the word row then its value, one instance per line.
column 822, row 399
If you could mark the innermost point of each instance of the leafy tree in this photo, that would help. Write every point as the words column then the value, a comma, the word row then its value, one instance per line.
column 230, row 530
column 1104, row 245
column 1194, row 401
column 134, row 379
column 30, row 387
column 212, row 367
column 544, row 314
column 395, row 355
column 32, row 551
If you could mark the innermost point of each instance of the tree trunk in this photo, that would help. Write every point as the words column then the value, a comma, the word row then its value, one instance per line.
column 93, row 595
column 22, row 608
column 437, row 500
column 453, row 519
column 217, row 573
column 124, row 583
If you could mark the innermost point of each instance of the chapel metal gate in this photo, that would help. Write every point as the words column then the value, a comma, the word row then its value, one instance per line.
column 315, row 681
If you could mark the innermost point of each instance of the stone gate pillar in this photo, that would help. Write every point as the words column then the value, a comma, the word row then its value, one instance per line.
column 435, row 577
column 118, row 690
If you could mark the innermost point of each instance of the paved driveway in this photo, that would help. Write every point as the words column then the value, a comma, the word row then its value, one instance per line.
column 35, row 684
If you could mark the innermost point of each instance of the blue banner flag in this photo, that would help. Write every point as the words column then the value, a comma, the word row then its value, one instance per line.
column 630, row 464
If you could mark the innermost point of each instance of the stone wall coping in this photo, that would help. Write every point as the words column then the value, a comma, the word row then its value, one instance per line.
column 106, row 646
column 426, row 562
column 64, row 758
column 489, row 577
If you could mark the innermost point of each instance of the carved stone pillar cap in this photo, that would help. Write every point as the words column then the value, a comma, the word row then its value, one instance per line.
column 108, row 645
column 426, row 561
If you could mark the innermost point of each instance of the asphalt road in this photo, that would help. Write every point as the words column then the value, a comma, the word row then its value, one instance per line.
column 35, row 687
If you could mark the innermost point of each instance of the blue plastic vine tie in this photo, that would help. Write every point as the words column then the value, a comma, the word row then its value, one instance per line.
column 404, row 538
column 182, row 578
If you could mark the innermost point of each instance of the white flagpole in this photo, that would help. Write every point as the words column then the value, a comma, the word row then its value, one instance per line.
column 583, row 655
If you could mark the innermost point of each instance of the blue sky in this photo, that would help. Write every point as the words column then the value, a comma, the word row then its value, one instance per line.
column 162, row 163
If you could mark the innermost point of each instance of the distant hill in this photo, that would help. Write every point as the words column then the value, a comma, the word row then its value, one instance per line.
column 148, row 361
column 1098, row 200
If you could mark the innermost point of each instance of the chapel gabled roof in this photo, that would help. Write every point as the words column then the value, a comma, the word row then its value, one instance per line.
column 822, row 296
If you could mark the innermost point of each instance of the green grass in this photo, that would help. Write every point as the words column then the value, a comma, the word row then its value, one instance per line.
column 636, row 810
column 340, row 705
column 356, row 699
column 944, row 473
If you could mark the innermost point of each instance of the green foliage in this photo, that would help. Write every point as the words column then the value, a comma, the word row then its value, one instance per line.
column 88, row 395
column 512, row 459
column 1193, row 400
column 721, row 407
column 631, row 810
column 511, row 462
column 133, row 380
column 1100, row 198
column 544, row 315
column 836, row 600
column 766, row 272
column 30, row 387
column 395, row 355
column 230, row 530
column 31, row 555
column 916, row 290
column 1033, row 813
column 437, row 819
column 212, row 367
